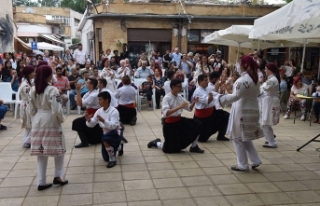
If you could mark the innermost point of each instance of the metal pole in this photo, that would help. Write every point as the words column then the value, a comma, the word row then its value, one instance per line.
column 303, row 54
column 238, row 52
column 319, row 66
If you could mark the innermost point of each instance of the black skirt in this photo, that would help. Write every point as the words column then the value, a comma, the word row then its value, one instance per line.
column 126, row 114
column 179, row 135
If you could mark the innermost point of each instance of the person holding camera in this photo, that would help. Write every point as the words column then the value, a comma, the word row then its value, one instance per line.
column 62, row 85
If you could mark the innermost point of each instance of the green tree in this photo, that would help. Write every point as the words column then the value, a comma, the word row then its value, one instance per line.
column 49, row 3
column 77, row 5
column 288, row 1
column 25, row 3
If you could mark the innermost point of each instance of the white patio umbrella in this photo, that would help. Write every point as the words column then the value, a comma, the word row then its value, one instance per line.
column 47, row 46
column 299, row 19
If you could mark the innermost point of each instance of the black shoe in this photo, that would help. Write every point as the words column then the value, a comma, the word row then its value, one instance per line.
column 56, row 181
column 43, row 187
column 158, row 107
column 111, row 164
column 74, row 107
column 81, row 145
column 2, row 127
column 236, row 168
column 121, row 150
column 255, row 166
column 124, row 140
column 196, row 149
column 133, row 121
column 223, row 139
column 154, row 143
column 269, row 146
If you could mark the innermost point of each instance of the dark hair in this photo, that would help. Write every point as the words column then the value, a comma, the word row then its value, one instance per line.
column 79, row 44
column 25, row 73
column 41, row 63
column 170, row 74
column 94, row 82
column 104, row 61
column 18, row 67
column 42, row 73
column 103, row 81
column 105, row 95
column 201, row 77
column 126, row 80
column 114, row 51
column 214, row 75
column 274, row 69
column 248, row 62
column 5, row 64
column 84, row 72
column 174, row 82
column 58, row 68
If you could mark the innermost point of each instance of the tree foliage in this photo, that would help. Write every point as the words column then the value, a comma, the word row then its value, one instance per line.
column 49, row 3
column 77, row 5
column 288, row 1
column 25, row 3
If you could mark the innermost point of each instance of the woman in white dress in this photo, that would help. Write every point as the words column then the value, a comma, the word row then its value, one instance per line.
column 47, row 137
column 108, row 74
column 202, row 67
column 243, row 123
column 269, row 102
column 26, row 77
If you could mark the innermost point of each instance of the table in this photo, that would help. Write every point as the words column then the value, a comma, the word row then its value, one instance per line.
column 308, row 109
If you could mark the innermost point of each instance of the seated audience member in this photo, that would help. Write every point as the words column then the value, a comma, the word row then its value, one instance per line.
column 316, row 103
column 63, row 85
column 158, row 83
column 126, row 98
column 91, row 101
column 297, row 88
column 3, row 111
column 73, row 79
column 283, row 83
column 143, row 71
column 96, row 73
column 108, row 119
column 13, row 79
column 83, row 80
column 87, row 68
column 146, row 89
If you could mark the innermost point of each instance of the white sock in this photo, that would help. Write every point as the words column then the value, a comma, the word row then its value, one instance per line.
column 159, row 145
column 111, row 154
column 119, row 148
column 195, row 142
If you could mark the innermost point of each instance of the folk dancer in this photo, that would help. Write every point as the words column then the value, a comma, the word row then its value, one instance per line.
column 178, row 132
column 244, row 116
column 208, row 113
column 269, row 103
column 47, row 137
column 126, row 96
column 28, row 73
column 108, row 119
column 91, row 101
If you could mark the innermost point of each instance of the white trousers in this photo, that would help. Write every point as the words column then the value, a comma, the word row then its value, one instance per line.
column 245, row 150
column 26, row 138
column 269, row 135
column 42, row 168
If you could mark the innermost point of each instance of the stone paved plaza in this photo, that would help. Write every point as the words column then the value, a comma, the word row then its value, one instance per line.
column 148, row 177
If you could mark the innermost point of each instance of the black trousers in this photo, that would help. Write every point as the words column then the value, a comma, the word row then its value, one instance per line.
column 86, row 134
column 127, row 114
column 217, row 122
column 149, row 93
column 159, row 93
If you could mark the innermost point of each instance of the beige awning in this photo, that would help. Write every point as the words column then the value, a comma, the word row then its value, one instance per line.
column 52, row 38
column 21, row 46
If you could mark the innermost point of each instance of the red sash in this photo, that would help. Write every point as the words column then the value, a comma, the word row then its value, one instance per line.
column 132, row 105
column 172, row 119
column 204, row 113
column 91, row 111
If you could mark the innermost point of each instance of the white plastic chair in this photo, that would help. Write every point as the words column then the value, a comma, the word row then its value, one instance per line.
column 17, row 104
column 6, row 93
column 138, row 82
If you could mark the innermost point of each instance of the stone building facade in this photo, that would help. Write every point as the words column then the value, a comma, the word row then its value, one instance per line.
column 162, row 25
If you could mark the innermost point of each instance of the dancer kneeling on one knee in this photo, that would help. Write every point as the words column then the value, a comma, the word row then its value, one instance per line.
column 179, row 132
column 108, row 119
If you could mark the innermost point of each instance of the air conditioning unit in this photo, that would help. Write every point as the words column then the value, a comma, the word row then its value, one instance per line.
column 90, row 35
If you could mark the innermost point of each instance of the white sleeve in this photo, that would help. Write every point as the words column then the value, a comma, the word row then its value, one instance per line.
column 93, row 121
column 237, row 93
column 56, row 105
column 113, row 123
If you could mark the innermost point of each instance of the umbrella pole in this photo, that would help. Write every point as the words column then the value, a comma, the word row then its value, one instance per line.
column 238, row 52
column 319, row 66
column 303, row 54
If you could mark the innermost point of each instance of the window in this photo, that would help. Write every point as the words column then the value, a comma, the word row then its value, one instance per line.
column 193, row 36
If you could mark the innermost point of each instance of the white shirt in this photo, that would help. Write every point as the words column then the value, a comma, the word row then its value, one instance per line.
column 126, row 94
column 126, row 72
column 211, row 87
column 296, row 91
column 80, row 56
column 167, row 88
column 143, row 73
column 114, row 101
column 170, row 101
column 111, row 120
column 91, row 100
column 203, row 94
column 289, row 71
